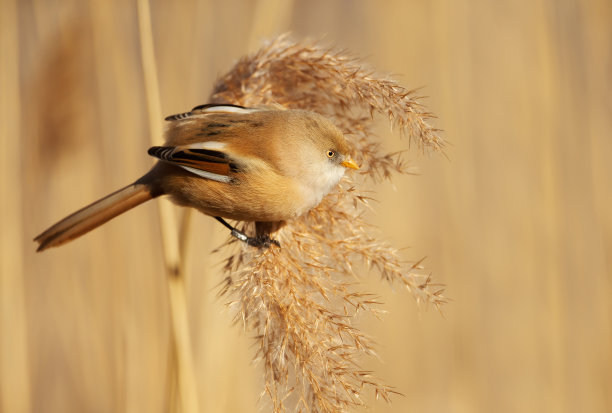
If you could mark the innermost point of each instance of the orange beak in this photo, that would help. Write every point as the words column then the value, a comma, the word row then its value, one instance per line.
column 349, row 163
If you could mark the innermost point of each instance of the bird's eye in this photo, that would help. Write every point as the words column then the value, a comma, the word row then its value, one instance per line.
column 330, row 154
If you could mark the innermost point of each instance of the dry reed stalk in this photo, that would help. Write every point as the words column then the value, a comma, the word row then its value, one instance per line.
column 14, row 363
column 300, row 299
column 183, row 395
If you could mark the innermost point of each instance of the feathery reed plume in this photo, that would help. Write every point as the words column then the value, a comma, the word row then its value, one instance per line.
column 299, row 299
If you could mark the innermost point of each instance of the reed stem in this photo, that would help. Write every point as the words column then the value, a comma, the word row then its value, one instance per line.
column 183, row 395
column 15, row 389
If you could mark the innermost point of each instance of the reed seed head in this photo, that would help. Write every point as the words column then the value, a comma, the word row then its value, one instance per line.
column 301, row 300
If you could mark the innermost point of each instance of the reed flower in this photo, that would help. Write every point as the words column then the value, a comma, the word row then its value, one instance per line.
column 301, row 300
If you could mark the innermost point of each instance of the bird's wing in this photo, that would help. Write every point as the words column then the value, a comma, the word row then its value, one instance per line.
column 211, row 108
column 205, row 159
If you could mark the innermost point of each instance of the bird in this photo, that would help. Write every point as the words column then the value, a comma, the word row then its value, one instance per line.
column 266, row 165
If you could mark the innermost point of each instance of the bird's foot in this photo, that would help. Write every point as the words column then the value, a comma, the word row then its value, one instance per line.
column 259, row 241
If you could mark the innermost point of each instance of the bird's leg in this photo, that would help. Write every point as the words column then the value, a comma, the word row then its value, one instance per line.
column 235, row 232
column 259, row 241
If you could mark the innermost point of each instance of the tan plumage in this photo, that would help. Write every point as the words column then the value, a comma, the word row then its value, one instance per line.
column 262, row 165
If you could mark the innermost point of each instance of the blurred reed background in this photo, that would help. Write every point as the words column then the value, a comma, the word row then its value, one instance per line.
column 517, row 222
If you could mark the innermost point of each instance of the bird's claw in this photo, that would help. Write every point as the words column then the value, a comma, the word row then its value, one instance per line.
column 259, row 241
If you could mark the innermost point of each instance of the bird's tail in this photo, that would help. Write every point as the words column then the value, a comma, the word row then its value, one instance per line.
column 94, row 215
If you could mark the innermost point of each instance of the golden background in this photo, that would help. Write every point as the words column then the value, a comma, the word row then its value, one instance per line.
column 517, row 221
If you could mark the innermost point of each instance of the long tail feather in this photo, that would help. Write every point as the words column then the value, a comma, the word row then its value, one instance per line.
column 94, row 215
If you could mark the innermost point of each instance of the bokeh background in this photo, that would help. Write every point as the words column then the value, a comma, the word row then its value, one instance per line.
column 516, row 220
